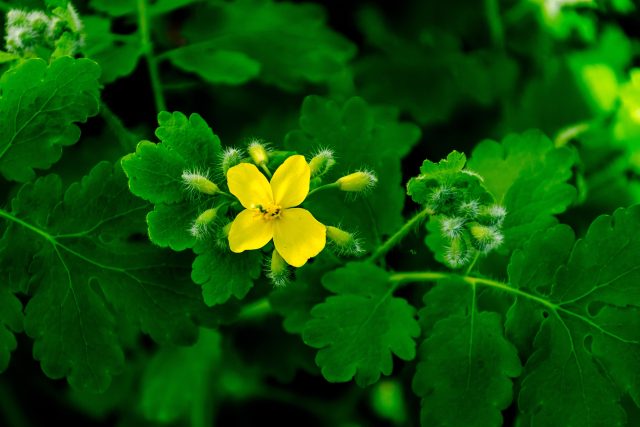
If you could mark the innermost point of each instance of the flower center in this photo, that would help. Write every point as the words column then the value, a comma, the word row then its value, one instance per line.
column 270, row 211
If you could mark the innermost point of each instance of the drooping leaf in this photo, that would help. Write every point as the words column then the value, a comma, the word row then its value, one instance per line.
column 466, row 364
column 10, row 322
column 282, row 43
column 362, row 136
column 39, row 105
column 359, row 329
column 86, row 267
column 529, row 177
column 178, row 379
column 117, row 54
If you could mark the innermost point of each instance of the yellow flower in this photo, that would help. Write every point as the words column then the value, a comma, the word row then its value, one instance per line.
column 271, row 213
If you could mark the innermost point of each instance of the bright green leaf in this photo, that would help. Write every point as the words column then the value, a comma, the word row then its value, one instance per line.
column 359, row 329
column 529, row 177
column 217, row 66
column 39, row 105
column 223, row 274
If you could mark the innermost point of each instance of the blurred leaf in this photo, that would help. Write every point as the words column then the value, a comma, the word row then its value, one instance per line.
column 178, row 379
column 286, row 44
column 10, row 322
column 117, row 54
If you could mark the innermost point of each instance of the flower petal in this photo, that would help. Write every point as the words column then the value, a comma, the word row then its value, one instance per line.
column 249, row 186
column 249, row 231
column 290, row 182
column 298, row 236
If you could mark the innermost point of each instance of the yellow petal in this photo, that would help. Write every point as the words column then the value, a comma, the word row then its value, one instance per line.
column 290, row 182
column 298, row 236
column 249, row 186
column 249, row 231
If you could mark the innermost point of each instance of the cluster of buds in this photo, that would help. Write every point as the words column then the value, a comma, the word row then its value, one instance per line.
column 59, row 32
column 470, row 228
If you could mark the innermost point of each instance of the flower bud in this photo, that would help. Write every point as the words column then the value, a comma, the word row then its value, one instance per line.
column 470, row 209
column 231, row 157
column 357, row 181
column 346, row 242
column 485, row 238
column 321, row 163
column 493, row 214
column 258, row 153
column 197, row 182
column 452, row 227
column 200, row 225
column 278, row 270
column 457, row 254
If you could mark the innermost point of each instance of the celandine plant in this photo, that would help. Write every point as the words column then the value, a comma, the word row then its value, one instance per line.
column 329, row 276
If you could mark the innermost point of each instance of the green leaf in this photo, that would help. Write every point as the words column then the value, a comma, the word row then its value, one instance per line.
column 177, row 380
column 529, row 177
column 155, row 170
column 359, row 329
column 466, row 364
column 586, row 352
column 129, row 7
column 87, row 268
column 223, row 274
column 362, row 136
column 117, row 54
column 288, row 44
column 39, row 105
column 295, row 301
column 217, row 66
column 10, row 322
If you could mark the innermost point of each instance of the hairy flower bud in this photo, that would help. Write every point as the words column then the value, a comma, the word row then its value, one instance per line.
column 485, row 238
column 452, row 227
column 321, row 163
column 493, row 214
column 198, row 182
column 231, row 156
column 258, row 152
column 278, row 270
column 357, row 181
column 345, row 242
column 457, row 254
column 200, row 225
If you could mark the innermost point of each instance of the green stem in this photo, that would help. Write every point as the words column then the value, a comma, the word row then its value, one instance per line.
column 322, row 188
column 473, row 263
column 430, row 276
column 395, row 239
column 10, row 408
column 266, row 170
column 147, row 50
column 256, row 309
column 496, row 28
column 126, row 139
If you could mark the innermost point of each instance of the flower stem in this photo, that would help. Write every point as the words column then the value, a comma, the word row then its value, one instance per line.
column 256, row 309
column 492, row 10
column 266, row 170
column 431, row 276
column 323, row 187
column 395, row 239
column 147, row 49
